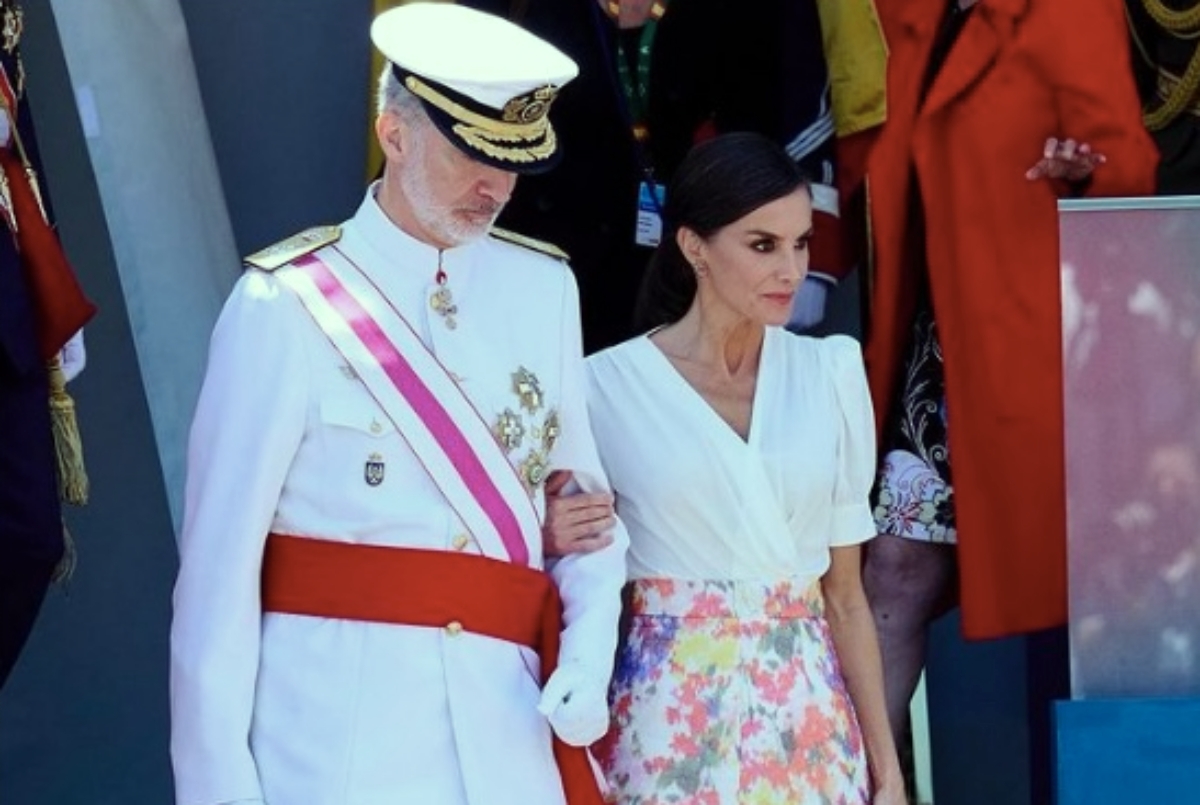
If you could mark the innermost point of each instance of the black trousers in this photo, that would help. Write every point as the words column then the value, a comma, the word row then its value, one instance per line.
column 1179, row 163
column 31, row 530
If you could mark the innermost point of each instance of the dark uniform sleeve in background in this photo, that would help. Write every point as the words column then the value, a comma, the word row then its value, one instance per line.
column 31, row 531
column 1160, row 61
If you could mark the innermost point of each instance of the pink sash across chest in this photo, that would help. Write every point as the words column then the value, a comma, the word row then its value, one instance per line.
column 424, row 403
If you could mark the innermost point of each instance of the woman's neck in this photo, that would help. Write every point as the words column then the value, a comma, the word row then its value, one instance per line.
column 727, row 346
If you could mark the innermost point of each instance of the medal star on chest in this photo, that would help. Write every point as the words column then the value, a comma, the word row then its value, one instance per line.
column 527, row 428
column 528, row 389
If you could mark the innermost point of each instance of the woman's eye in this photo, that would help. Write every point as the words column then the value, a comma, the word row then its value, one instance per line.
column 763, row 246
column 802, row 244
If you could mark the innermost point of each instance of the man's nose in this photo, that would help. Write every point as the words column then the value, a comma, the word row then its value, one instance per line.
column 497, row 185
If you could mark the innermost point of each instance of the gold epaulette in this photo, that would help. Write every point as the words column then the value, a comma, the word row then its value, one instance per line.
column 529, row 243
column 285, row 251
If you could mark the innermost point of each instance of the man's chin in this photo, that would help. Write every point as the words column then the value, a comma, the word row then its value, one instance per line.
column 467, row 229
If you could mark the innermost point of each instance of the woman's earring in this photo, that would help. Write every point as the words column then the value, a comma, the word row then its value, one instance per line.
column 700, row 268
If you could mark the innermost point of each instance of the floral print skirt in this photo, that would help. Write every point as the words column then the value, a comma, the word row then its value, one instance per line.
column 730, row 693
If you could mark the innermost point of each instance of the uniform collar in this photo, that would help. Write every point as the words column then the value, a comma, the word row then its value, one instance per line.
column 400, row 252
column 389, row 238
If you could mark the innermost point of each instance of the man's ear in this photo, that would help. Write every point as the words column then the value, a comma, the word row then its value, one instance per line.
column 392, row 133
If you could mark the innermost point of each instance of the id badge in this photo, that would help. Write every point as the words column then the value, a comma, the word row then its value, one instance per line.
column 651, row 197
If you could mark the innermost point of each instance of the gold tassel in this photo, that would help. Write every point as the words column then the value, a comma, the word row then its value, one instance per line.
column 68, row 447
column 66, row 566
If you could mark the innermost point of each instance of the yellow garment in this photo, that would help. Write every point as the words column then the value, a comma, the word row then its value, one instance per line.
column 374, row 154
column 856, row 53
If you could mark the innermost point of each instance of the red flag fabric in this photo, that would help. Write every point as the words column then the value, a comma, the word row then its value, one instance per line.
column 60, row 306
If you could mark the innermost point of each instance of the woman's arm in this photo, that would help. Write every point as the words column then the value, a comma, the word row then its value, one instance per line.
column 853, row 630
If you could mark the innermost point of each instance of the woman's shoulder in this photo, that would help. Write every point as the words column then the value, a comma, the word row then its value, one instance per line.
column 831, row 352
column 619, row 356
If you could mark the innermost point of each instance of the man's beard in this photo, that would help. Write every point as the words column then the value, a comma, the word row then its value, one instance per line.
column 442, row 222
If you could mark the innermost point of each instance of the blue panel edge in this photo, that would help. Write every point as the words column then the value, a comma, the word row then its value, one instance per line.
column 1127, row 751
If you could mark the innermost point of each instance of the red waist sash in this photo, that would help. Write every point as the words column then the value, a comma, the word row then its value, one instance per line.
column 440, row 589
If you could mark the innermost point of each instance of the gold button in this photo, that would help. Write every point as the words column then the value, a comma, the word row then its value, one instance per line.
column 454, row 628
column 376, row 427
column 460, row 542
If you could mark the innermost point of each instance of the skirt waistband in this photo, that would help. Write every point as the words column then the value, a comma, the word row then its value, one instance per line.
column 789, row 598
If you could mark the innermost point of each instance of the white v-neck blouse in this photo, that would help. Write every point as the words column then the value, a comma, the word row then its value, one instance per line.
column 702, row 503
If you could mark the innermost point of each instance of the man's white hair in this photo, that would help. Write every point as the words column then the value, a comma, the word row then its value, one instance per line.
column 395, row 97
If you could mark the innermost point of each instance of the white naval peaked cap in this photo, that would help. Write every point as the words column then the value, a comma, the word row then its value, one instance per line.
column 486, row 83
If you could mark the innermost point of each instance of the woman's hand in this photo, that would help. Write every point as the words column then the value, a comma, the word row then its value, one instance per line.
column 575, row 522
column 1066, row 160
column 892, row 794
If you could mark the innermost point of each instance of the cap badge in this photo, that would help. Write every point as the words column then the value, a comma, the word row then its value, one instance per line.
column 530, row 107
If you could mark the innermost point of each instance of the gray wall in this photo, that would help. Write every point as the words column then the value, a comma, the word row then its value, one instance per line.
column 285, row 88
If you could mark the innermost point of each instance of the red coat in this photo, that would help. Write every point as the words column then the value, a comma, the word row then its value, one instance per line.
column 1021, row 71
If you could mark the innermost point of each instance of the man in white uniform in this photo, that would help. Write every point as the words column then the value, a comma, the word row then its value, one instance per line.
column 362, row 616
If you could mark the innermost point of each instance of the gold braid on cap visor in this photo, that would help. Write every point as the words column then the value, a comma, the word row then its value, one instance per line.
column 524, row 135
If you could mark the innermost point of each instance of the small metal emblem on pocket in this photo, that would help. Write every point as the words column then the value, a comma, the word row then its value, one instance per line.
column 373, row 470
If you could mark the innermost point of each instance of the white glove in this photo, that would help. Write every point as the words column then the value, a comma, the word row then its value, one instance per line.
column 809, row 307
column 74, row 357
column 576, row 704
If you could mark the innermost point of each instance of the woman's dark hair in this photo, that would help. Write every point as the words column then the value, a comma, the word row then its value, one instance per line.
column 718, row 182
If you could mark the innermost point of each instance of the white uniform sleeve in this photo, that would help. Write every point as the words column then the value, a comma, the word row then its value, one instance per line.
column 249, row 422
column 852, row 522
column 590, row 584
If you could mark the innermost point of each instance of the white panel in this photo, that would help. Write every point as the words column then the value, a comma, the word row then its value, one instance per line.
column 136, row 90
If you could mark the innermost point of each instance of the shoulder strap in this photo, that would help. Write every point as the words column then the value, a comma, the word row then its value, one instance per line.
column 285, row 251
column 532, row 244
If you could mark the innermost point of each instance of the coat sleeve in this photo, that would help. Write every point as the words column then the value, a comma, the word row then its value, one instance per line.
column 249, row 422
column 590, row 584
column 1096, row 94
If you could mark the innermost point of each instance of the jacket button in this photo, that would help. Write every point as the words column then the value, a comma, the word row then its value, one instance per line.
column 454, row 628
column 461, row 542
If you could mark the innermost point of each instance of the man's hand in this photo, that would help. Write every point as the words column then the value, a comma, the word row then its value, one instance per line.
column 576, row 704
column 575, row 522
column 1067, row 160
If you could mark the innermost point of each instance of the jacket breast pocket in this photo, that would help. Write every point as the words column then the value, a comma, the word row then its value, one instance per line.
column 359, row 416
column 358, row 439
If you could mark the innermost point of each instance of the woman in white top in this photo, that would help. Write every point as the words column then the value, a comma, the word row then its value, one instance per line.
column 741, row 457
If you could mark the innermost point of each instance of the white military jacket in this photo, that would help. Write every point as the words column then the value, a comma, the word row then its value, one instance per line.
column 294, row 710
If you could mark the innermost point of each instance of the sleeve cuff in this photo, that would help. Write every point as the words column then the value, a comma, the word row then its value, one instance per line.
column 852, row 524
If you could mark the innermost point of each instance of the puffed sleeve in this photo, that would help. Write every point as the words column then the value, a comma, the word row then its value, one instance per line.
column 591, row 583
column 249, row 422
column 1087, row 47
column 852, row 522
